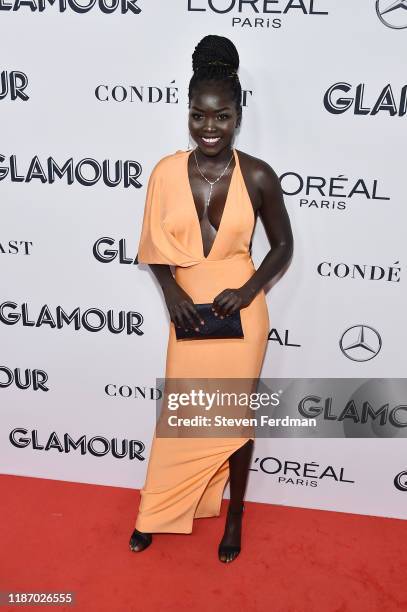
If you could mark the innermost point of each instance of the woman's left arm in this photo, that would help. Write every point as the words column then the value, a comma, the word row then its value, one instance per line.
column 277, row 225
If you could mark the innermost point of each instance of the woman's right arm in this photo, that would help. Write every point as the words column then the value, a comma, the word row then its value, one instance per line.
column 180, row 305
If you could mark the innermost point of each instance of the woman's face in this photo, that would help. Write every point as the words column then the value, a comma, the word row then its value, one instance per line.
column 213, row 117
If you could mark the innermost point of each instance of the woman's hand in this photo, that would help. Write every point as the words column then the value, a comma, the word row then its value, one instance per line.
column 230, row 300
column 181, row 308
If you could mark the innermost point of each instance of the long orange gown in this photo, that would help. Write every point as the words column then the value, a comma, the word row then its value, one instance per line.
column 186, row 477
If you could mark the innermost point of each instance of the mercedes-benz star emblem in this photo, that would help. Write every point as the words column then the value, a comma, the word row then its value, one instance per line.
column 360, row 343
column 392, row 13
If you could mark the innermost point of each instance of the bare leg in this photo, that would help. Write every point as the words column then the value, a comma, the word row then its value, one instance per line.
column 239, row 464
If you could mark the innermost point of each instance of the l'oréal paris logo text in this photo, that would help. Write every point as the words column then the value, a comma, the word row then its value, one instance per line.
column 328, row 193
column 77, row 6
column 266, row 14
column 92, row 320
column 86, row 172
column 360, row 103
column 299, row 473
column 13, row 85
column 281, row 338
column 98, row 446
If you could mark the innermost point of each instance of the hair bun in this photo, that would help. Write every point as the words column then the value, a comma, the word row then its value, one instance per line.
column 215, row 50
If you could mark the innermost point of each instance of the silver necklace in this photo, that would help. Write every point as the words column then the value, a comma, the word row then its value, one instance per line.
column 211, row 183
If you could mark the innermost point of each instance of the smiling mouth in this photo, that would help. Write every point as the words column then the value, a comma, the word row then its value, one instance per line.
column 210, row 141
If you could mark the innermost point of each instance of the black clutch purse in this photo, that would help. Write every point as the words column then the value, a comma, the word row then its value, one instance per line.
column 215, row 327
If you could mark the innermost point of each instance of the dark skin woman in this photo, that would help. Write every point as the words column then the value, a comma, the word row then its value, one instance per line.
column 213, row 120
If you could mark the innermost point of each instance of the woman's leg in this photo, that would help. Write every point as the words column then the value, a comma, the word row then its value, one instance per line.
column 239, row 464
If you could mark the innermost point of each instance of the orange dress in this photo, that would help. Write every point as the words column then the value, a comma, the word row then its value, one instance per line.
column 186, row 476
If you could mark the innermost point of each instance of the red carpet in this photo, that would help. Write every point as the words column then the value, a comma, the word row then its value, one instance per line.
column 60, row 536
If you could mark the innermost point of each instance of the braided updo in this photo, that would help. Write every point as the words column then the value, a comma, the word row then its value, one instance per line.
column 215, row 58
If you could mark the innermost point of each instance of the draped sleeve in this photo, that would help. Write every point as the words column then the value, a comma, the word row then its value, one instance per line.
column 159, row 242
column 152, row 247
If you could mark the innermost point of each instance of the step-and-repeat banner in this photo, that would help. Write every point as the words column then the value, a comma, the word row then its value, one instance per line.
column 92, row 94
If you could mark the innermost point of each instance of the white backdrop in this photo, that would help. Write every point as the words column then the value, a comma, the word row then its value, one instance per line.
column 68, row 95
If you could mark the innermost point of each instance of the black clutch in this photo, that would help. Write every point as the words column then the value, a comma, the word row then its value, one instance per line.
column 215, row 327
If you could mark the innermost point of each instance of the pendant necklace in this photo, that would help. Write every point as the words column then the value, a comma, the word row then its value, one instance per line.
column 211, row 183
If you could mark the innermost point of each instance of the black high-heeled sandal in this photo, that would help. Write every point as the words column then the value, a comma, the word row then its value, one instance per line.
column 140, row 541
column 226, row 549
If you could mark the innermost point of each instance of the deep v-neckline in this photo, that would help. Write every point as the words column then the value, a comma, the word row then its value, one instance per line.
column 224, row 208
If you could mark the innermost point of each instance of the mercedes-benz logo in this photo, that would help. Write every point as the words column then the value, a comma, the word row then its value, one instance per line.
column 360, row 343
column 400, row 482
column 392, row 13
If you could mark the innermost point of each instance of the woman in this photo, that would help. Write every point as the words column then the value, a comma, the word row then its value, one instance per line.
column 199, row 216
